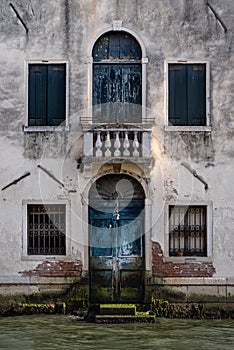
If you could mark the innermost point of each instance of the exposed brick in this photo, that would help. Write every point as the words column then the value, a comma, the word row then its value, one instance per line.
column 178, row 269
column 56, row 269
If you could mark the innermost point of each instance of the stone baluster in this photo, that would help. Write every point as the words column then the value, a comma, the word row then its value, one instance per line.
column 117, row 145
column 126, row 145
column 108, row 145
column 98, row 145
column 135, row 145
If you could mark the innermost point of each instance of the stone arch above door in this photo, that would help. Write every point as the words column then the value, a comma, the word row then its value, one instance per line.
column 135, row 171
column 116, row 27
column 126, row 185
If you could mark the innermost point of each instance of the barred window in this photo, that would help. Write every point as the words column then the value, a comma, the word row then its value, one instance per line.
column 187, row 230
column 46, row 229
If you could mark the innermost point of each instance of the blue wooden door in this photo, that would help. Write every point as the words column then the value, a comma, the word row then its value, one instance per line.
column 117, row 242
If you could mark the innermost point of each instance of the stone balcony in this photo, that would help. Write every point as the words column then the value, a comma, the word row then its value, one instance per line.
column 117, row 144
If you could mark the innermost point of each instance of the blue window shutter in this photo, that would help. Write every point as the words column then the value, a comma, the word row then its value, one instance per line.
column 196, row 83
column 177, row 94
column 37, row 95
column 56, row 94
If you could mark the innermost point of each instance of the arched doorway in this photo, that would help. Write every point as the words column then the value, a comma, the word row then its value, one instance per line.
column 116, row 239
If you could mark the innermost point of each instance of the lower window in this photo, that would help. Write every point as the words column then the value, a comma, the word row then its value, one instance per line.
column 187, row 230
column 46, row 229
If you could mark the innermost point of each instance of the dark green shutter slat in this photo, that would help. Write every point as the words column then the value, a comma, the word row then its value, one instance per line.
column 196, row 94
column 177, row 94
column 56, row 94
column 37, row 95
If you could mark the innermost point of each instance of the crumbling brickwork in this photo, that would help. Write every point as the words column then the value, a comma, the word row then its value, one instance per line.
column 56, row 269
column 160, row 268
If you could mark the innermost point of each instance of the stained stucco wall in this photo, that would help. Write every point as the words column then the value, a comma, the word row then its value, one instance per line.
column 66, row 30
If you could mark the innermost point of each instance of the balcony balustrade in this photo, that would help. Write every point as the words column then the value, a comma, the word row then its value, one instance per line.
column 117, row 143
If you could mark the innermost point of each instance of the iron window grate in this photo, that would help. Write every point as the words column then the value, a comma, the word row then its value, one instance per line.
column 47, row 229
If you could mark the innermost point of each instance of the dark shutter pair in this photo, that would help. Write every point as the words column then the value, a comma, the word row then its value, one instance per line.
column 187, row 94
column 47, row 94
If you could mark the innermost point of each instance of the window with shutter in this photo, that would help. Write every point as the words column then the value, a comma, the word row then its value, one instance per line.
column 46, row 94
column 187, row 94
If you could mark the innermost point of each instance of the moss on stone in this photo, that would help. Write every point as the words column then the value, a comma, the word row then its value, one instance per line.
column 170, row 294
column 122, row 306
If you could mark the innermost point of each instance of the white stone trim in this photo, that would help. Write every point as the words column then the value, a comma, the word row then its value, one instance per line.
column 24, row 254
column 46, row 128
column 85, row 230
column 209, row 234
column 85, row 193
column 168, row 127
column 109, row 29
column 187, row 128
column 117, row 25
column 148, row 235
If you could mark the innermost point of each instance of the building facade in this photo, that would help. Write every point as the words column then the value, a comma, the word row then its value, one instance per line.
column 117, row 149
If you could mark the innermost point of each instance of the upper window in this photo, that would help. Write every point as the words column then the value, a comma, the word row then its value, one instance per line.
column 117, row 79
column 187, row 230
column 46, row 229
column 187, row 94
column 46, row 94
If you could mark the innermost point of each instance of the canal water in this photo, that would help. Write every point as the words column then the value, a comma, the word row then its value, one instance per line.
column 65, row 333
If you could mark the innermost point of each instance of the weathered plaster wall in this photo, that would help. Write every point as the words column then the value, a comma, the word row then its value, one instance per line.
column 65, row 30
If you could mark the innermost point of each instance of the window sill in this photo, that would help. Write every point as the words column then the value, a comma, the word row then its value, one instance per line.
column 191, row 259
column 43, row 257
column 188, row 128
column 45, row 128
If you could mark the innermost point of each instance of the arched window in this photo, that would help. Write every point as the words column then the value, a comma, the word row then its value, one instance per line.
column 117, row 79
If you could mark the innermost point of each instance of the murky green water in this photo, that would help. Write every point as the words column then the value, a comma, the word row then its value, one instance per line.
column 63, row 332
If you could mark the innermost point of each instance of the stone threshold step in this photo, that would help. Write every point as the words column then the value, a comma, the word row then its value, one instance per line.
column 118, row 309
